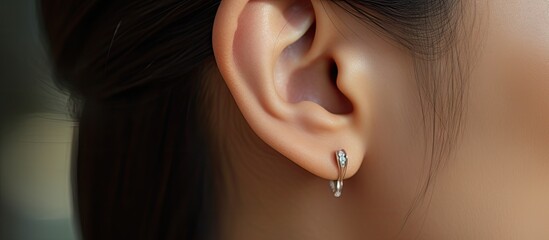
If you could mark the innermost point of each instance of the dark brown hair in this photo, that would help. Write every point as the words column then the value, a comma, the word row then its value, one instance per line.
column 135, row 70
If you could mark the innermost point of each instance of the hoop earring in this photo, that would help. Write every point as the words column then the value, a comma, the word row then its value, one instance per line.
column 341, row 160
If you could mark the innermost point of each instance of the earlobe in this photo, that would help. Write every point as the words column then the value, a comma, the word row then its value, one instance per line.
column 279, row 61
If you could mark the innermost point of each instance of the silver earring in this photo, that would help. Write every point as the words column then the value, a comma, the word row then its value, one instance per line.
column 341, row 160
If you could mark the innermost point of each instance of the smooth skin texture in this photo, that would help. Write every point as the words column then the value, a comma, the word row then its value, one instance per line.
column 291, row 113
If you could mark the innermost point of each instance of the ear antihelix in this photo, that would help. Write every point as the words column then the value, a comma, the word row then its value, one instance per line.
column 299, row 18
column 299, row 14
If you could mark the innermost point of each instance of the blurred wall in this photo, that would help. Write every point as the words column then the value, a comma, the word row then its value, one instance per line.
column 35, row 133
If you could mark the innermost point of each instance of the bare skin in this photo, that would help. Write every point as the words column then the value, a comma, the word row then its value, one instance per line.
column 282, row 122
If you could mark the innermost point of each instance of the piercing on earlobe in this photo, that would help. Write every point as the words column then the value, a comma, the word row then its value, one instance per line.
column 341, row 161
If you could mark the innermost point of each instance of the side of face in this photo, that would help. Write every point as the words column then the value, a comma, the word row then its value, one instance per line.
column 495, row 186
column 491, row 186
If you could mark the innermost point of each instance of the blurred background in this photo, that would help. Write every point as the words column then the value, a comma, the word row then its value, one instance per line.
column 35, row 133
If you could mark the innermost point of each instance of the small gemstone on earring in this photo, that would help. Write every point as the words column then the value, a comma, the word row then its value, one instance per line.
column 342, row 158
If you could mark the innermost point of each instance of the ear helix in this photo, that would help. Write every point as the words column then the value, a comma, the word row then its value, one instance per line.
column 341, row 161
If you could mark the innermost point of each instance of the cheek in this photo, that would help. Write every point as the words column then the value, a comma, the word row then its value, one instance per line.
column 520, row 31
column 517, row 60
column 521, row 21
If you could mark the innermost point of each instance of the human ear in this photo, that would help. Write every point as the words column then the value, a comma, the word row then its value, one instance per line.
column 295, row 80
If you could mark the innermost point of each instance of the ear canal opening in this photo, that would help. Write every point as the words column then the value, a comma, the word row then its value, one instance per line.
column 344, row 104
column 333, row 72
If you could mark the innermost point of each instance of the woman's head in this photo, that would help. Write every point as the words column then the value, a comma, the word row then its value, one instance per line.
column 194, row 112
